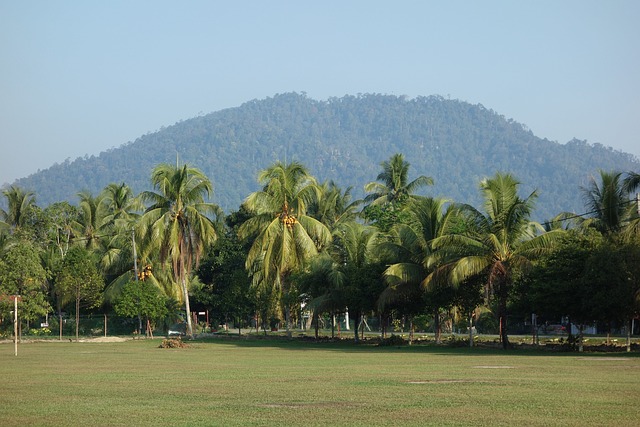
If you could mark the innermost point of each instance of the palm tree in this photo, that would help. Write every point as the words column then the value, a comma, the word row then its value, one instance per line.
column 394, row 186
column 91, row 228
column 120, row 204
column 119, row 208
column 498, row 243
column 19, row 202
column 630, row 184
column 356, row 250
column 177, row 222
column 285, row 236
column 410, row 249
column 608, row 201
column 333, row 206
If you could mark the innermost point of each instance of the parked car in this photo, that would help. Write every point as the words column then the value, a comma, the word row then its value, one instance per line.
column 177, row 330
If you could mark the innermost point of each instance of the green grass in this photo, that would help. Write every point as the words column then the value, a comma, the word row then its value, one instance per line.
column 268, row 383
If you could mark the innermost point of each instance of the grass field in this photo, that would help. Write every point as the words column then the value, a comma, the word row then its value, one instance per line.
column 278, row 382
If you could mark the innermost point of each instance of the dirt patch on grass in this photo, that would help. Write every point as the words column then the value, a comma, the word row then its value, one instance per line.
column 604, row 359
column 494, row 367
column 105, row 339
column 446, row 382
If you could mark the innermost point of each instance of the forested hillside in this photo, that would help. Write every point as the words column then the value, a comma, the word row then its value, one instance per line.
column 345, row 140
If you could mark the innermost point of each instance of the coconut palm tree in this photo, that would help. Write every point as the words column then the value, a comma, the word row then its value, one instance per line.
column 608, row 201
column 177, row 223
column 410, row 249
column 19, row 202
column 630, row 184
column 498, row 243
column 333, row 206
column 394, row 185
column 120, row 209
column 356, row 250
column 285, row 236
column 92, row 228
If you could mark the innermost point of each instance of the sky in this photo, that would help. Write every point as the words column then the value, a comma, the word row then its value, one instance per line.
column 78, row 78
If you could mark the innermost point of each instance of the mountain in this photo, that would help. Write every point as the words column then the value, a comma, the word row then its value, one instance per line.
column 345, row 140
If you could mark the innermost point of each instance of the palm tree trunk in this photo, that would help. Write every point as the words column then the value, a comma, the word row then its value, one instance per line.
column 77, row 315
column 502, row 313
column 185, row 293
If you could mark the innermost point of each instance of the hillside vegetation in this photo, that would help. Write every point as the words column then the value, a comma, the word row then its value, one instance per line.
column 345, row 139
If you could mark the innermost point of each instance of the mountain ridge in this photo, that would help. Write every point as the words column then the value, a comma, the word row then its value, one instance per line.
column 345, row 139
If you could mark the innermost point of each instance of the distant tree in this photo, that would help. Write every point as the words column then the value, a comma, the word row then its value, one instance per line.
column 394, row 185
column 78, row 280
column 387, row 197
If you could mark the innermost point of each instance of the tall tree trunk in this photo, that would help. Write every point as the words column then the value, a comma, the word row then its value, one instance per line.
column 187, row 305
column 437, row 327
column 502, row 313
column 317, row 322
column 77, row 315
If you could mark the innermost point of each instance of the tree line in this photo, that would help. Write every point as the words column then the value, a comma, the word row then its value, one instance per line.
column 395, row 254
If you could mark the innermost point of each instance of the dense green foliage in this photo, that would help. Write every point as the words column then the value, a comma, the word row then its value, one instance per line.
column 345, row 139
column 308, row 252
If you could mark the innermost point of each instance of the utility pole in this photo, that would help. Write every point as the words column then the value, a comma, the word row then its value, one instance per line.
column 15, row 323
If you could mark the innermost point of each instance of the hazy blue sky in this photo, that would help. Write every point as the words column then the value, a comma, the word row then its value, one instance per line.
column 80, row 77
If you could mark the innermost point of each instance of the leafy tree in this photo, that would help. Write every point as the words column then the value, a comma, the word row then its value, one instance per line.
column 78, row 280
column 177, row 222
column 141, row 299
column 285, row 236
column 588, row 278
column 61, row 218
column 499, row 244
column 226, row 287
column 21, row 273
